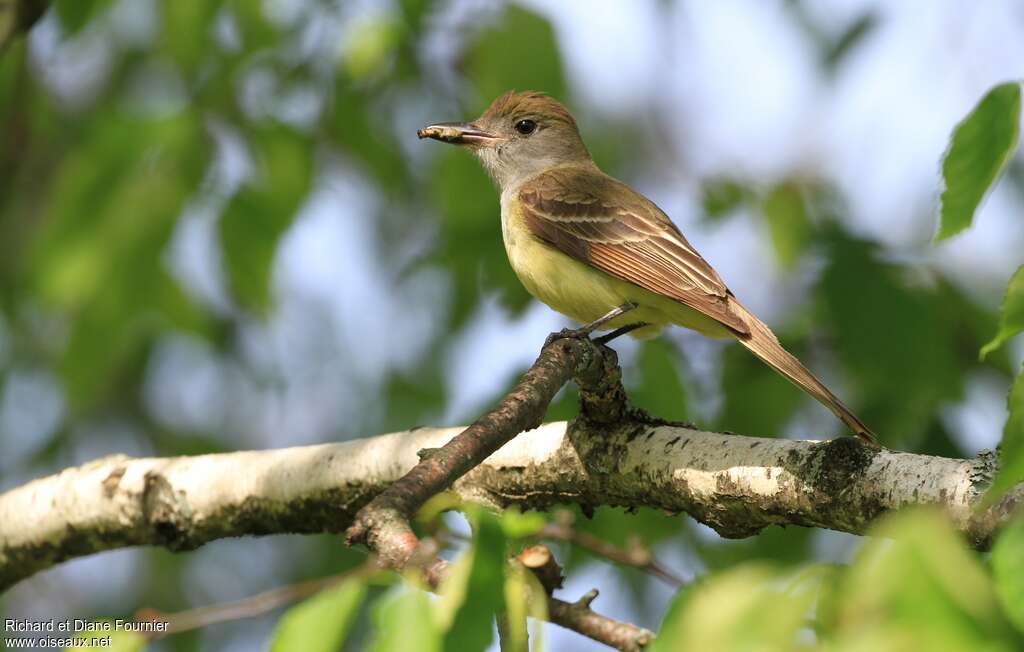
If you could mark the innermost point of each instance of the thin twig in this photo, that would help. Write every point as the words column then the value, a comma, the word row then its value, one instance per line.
column 636, row 556
column 579, row 617
column 261, row 603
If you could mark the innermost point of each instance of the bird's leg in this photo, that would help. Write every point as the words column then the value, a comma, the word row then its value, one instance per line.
column 620, row 331
column 586, row 330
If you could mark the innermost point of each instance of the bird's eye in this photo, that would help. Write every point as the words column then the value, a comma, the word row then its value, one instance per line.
column 526, row 127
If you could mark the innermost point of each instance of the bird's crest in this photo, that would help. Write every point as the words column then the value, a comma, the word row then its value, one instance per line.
column 525, row 104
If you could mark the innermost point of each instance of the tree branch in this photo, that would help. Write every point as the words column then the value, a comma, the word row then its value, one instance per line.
column 735, row 484
column 384, row 524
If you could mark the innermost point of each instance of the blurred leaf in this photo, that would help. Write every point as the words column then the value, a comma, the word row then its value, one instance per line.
column 371, row 46
column 403, row 621
column 470, row 244
column 741, row 609
column 414, row 11
column 1011, row 316
column 820, row 583
column 758, row 401
column 261, row 211
column 659, row 390
column 517, row 600
column 896, row 338
column 74, row 14
column 566, row 405
column 1011, row 448
column 359, row 128
column 775, row 545
column 849, row 40
column 415, row 397
column 721, row 196
column 431, row 511
column 192, row 18
column 618, row 526
column 1008, row 569
column 111, row 210
column 517, row 525
column 256, row 29
column 785, row 211
column 979, row 149
column 915, row 576
column 473, row 599
column 322, row 622
column 671, row 635
column 519, row 53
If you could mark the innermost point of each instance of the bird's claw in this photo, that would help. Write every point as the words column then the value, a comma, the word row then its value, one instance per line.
column 569, row 333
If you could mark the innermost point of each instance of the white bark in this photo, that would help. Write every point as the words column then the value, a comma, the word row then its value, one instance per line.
column 736, row 484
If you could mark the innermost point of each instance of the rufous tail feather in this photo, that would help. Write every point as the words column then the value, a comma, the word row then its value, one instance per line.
column 763, row 343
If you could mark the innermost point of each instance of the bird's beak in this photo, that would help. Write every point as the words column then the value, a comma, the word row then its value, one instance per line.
column 459, row 133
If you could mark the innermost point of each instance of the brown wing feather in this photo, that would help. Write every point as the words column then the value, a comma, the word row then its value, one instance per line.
column 604, row 223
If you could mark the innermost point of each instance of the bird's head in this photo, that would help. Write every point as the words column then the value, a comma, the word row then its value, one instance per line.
column 518, row 135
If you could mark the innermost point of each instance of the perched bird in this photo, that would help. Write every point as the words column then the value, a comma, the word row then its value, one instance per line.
column 596, row 250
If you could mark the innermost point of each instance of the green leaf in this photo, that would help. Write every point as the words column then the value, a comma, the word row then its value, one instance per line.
column 262, row 210
column 979, row 149
column 371, row 46
column 758, row 401
column 894, row 336
column 477, row 596
column 322, row 622
column 785, row 211
column 659, row 389
column 98, row 257
column 515, row 637
column 1008, row 569
column 672, row 635
column 256, row 29
column 470, row 244
column 836, row 52
column 1011, row 449
column 740, row 609
column 1011, row 315
column 362, row 130
column 74, row 14
column 915, row 576
column 404, row 620
column 192, row 18
column 721, row 196
column 520, row 53
column 519, row 525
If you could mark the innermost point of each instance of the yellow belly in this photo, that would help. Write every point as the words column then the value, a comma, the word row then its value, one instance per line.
column 585, row 293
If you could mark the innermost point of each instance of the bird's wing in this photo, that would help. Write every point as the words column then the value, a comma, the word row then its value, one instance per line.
column 604, row 223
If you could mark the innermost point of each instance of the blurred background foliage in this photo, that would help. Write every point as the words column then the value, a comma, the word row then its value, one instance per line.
column 218, row 231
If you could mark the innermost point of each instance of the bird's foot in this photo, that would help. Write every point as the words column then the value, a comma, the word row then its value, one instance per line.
column 568, row 333
column 585, row 331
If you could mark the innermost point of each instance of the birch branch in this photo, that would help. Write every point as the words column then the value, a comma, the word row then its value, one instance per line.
column 735, row 484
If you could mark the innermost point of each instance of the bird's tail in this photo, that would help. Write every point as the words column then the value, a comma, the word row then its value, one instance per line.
column 763, row 343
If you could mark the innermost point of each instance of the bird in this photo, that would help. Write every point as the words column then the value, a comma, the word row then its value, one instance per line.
column 598, row 251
